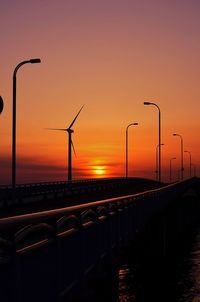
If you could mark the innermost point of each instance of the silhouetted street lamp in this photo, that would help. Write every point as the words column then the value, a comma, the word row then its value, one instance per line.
column 170, row 168
column 31, row 61
column 157, row 160
column 190, row 161
column 182, row 168
column 132, row 124
column 159, row 138
column 1, row 104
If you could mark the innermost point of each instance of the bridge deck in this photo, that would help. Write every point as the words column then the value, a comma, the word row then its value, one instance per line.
column 53, row 255
column 38, row 197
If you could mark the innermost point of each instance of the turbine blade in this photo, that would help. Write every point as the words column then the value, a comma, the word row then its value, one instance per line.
column 73, row 147
column 75, row 117
column 56, row 129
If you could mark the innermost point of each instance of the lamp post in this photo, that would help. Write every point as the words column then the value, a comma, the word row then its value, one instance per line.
column 182, row 168
column 132, row 124
column 31, row 61
column 157, row 160
column 159, row 138
column 170, row 168
column 190, row 161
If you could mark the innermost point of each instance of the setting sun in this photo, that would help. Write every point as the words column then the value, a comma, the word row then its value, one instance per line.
column 99, row 170
column 89, row 45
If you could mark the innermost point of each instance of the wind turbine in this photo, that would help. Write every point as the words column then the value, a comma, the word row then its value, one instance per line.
column 70, row 143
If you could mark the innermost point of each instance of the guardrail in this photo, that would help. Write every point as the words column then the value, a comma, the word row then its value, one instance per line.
column 74, row 181
column 32, row 193
column 46, row 256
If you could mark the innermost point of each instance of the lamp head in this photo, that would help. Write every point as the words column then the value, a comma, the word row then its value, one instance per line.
column 135, row 123
column 175, row 134
column 147, row 103
column 1, row 104
column 34, row 61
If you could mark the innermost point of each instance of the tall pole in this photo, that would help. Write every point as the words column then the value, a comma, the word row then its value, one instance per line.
column 190, row 156
column 157, row 147
column 170, row 169
column 70, row 131
column 156, row 171
column 132, row 124
column 159, row 138
column 32, row 61
column 182, row 168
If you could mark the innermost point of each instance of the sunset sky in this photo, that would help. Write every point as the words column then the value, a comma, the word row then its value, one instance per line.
column 111, row 55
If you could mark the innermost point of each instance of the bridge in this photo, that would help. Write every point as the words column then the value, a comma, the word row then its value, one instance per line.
column 56, row 254
column 48, row 195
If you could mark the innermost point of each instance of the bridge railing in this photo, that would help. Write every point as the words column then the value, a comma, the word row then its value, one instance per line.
column 61, row 182
column 37, row 192
column 46, row 255
column 172, row 191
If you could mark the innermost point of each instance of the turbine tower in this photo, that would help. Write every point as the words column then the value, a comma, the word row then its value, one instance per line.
column 70, row 143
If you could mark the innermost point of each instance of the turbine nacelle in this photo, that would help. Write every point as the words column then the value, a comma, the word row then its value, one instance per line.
column 70, row 130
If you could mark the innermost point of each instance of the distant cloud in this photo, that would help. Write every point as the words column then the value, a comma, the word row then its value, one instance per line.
column 34, row 169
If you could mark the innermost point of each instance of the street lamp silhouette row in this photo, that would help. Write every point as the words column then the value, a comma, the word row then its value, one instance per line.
column 158, row 157
column 158, row 148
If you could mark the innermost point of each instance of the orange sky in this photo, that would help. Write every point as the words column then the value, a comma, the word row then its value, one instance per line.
column 111, row 56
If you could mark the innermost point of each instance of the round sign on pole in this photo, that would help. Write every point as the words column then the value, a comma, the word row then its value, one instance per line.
column 1, row 104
